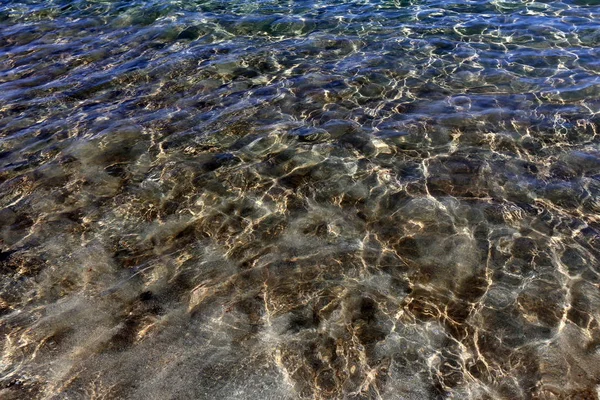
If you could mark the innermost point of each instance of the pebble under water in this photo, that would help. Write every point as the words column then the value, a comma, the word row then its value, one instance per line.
column 280, row 199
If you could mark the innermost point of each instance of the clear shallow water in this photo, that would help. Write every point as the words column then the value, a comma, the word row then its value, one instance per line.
column 282, row 200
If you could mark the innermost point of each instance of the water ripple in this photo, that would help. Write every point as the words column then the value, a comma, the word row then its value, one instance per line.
column 288, row 199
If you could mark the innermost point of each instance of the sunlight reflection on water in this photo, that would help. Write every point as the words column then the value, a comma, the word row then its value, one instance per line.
column 281, row 200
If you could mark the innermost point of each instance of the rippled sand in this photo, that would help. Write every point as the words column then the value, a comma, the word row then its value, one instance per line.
column 293, row 200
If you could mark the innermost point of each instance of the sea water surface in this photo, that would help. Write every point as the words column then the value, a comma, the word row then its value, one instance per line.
column 286, row 199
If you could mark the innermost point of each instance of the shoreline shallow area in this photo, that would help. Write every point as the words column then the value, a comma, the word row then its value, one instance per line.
column 299, row 200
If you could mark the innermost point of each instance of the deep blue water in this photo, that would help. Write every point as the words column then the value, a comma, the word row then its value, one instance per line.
column 300, row 199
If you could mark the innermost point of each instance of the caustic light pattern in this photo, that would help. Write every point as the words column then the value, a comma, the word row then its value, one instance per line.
column 299, row 200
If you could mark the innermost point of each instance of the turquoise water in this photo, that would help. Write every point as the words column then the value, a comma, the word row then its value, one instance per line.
column 299, row 199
